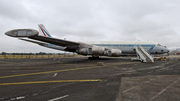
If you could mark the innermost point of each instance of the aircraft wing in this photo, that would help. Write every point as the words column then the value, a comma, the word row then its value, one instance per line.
column 33, row 34
column 40, row 43
column 45, row 44
column 55, row 41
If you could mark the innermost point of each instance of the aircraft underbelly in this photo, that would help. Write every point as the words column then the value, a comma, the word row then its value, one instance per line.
column 129, row 50
column 126, row 50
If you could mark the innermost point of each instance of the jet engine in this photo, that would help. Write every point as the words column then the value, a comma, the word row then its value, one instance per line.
column 99, row 51
column 95, row 50
column 113, row 53
column 83, row 51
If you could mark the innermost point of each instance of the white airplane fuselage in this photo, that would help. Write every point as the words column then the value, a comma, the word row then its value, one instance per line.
column 127, row 48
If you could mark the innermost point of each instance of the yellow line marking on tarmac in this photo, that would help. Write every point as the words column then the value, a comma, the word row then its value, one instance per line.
column 65, row 70
column 19, row 67
column 41, row 67
column 70, row 66
column 47, row 72
column 56, row 81
column 30, row 67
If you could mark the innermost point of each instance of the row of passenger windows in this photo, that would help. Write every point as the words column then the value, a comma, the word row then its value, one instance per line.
column 111, row 45
column 121, row 45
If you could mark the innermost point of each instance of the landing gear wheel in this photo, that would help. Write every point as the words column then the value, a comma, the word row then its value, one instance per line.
column 90, row 58
column 93, row 58
column 142, row 61
column 96, row 57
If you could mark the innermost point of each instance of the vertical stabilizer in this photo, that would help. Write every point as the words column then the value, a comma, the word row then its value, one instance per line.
column 43, row 30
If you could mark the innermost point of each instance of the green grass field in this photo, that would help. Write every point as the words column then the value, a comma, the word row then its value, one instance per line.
column 33, row 56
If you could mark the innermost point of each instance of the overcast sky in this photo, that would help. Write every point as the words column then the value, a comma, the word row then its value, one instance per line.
column 91, row 20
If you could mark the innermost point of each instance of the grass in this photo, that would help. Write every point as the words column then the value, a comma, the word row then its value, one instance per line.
column 33, row 56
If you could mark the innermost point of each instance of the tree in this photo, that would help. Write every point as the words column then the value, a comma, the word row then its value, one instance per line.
column 3, row 53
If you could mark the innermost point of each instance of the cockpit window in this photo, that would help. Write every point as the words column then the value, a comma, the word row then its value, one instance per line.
column 159, row 44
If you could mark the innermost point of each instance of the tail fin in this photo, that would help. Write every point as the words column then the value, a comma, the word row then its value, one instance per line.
column 43, row 30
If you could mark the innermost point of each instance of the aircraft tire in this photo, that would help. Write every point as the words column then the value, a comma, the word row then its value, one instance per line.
column 90, row 58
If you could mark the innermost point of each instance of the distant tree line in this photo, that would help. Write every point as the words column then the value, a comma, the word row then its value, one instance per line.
column 40, row 53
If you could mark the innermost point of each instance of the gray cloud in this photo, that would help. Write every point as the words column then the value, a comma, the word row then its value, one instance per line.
column 91, row 20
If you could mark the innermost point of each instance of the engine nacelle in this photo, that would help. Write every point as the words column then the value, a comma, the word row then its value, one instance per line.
column 98, row 50
column 83, row 51
column 95, row 50
column 113, row 53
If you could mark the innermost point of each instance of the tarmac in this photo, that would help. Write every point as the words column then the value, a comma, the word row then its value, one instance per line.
column 80, row 79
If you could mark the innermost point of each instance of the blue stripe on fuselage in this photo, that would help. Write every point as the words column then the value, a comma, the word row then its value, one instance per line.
column 152, row 48
column 126, row 45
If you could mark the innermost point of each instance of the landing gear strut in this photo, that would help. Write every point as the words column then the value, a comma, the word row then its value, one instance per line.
column 93, row 58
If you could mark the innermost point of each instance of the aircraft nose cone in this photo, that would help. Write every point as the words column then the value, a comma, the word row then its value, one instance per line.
column 167, row 50
column 7, row 33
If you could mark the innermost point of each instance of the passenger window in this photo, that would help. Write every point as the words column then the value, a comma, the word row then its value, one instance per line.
column 159, row 45
column 21, row 33
column 29, row 32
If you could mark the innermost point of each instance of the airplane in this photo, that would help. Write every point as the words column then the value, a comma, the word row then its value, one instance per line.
column 143, row 49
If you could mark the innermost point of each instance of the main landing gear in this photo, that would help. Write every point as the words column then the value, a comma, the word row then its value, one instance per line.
column 93, row 58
